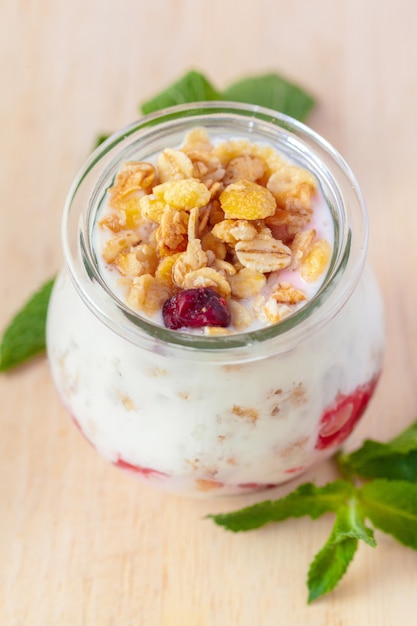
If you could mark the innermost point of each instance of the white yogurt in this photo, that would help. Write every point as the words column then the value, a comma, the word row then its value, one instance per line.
column 208, row 426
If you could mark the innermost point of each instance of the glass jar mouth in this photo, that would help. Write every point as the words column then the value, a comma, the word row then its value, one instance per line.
column 167, row 128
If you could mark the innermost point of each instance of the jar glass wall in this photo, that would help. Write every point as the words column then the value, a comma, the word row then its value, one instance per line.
column 224, row 414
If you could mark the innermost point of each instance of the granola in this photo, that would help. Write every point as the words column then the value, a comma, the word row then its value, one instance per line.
column 231, row 216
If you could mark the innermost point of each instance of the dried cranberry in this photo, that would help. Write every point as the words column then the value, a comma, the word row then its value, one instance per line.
column 194, row 308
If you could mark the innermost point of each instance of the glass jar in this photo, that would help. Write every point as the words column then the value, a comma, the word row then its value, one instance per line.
column 216, row 415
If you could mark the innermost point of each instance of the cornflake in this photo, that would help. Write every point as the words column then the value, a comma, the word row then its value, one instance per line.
column 231, row 216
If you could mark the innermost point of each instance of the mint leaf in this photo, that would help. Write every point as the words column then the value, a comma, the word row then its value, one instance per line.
column 192, row 87
column 308, row 499
column 406, row 441
column 396, row 459
column 331, row 563
column 25, row 335
column 329, row 566
column 376, row 460
column 268, row 90
column 272, row 91
column 391, row 505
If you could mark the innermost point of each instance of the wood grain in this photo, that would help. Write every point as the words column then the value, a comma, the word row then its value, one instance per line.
column 81, row 543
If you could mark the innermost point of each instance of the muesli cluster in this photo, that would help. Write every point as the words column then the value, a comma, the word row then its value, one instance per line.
column 215, row 235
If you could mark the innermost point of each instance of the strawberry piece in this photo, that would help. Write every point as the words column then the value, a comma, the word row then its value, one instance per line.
column 338, row 421
column 195, row 308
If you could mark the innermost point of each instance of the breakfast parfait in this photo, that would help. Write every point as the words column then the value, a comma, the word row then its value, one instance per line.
column 215, row 330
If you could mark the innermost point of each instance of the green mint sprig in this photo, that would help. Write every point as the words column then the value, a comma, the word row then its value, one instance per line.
column 267, row 90
column 388, row 503
column 25, row 335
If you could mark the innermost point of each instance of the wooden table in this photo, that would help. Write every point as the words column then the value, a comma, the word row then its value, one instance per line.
column 81, row 543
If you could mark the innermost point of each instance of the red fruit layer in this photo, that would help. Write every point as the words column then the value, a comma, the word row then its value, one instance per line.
column 138, row 469
column 338, row 421
column 295, row 470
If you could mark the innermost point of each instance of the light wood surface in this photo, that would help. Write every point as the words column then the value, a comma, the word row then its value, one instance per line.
column 81, row 543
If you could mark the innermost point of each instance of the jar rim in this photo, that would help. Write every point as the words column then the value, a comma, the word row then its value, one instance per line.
column 350, row 212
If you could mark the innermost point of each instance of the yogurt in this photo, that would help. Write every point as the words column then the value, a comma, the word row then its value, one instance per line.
column 218, row 414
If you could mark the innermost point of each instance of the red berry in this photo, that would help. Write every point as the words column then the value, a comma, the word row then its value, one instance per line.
column 195, row 308
column 338, row 421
